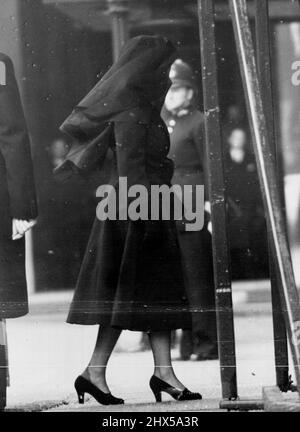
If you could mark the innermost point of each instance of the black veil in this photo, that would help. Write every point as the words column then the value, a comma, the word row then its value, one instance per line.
column 135, row 83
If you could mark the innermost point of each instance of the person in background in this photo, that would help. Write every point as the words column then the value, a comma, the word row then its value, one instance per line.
column 186, row 128
column 18, row 207
column 234, row 118
column 246, row 221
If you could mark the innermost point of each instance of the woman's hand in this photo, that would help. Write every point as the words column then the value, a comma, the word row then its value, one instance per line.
column 20, row 227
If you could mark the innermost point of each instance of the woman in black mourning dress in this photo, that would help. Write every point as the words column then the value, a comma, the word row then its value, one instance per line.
column 131, row 277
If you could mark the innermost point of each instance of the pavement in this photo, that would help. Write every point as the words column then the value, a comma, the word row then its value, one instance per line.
column 46, row 354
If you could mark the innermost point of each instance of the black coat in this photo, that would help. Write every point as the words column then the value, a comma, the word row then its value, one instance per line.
column 17, row 195
column 132, row 276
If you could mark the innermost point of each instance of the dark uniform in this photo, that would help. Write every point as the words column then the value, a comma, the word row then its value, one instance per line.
column 246, row 221
column 17, row 195
column 186, row 128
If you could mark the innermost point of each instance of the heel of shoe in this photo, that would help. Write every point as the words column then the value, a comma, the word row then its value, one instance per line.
column 157, row 396
column 155, row 389
column 80, row 397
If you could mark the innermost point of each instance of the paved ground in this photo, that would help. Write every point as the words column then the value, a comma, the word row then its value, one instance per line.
column 46, row 355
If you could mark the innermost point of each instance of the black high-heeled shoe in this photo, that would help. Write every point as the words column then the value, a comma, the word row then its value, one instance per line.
column 158, row 386
column 83, row 386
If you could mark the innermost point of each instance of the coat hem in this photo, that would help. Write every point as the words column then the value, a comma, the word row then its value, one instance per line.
column 134, row 328
column 13, row 315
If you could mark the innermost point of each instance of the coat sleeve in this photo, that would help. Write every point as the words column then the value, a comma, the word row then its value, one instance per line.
column 131, row 138
column 15, row 148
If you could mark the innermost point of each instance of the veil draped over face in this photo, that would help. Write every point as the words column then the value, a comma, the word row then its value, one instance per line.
column 137, row 82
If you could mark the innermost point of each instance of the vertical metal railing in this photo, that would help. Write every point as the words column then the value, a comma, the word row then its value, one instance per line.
column 264, row 60
column 3, row 364
column 267, row 175
column 257, row 83
column 222, row 274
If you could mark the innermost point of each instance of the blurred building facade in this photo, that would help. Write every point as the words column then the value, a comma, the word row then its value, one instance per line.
column 61, row 48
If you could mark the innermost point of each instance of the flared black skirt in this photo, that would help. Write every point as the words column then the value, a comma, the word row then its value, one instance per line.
column 132, row 278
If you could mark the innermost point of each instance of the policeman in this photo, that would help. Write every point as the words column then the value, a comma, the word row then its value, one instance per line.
column 186, row 127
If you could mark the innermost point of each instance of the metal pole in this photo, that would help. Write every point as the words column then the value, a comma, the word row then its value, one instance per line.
column 267, row 175
column 222, row 274
column 119, row 11
column 263, row 48
column 3, row 365
column 29, row 261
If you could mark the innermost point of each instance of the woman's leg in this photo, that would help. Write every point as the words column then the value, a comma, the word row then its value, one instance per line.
column 161, row 349
column 96, row 370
